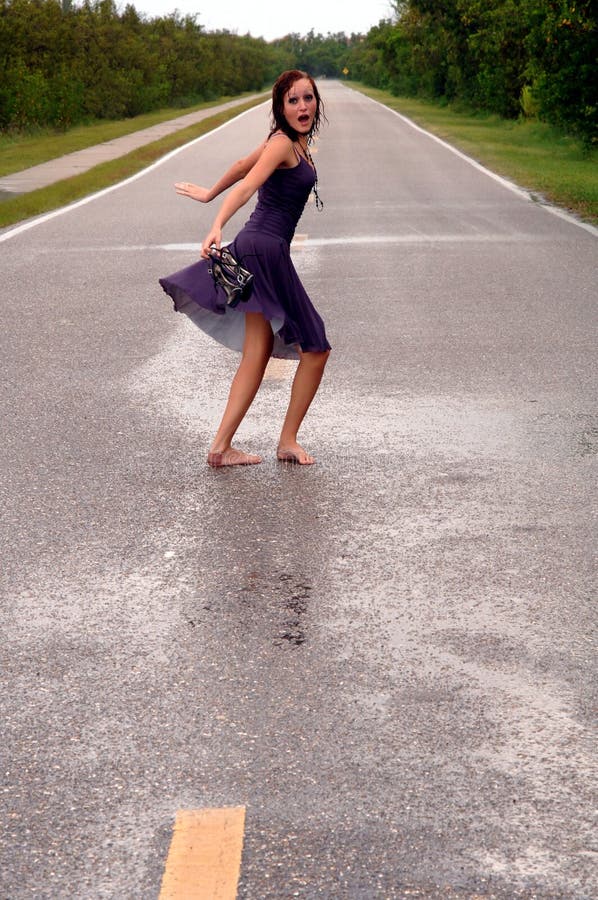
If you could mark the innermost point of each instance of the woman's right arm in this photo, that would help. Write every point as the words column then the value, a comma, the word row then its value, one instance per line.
column 236, row 173
column 272, row 155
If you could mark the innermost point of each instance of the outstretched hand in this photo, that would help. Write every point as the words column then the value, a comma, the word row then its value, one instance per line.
column 194, row 191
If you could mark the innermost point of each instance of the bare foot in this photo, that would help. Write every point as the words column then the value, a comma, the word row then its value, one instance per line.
column 296, row 454
column 232, row 457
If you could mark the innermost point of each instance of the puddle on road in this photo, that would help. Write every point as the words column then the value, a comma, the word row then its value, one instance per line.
column 294, row 630
column 588, row 441
column 187, row 383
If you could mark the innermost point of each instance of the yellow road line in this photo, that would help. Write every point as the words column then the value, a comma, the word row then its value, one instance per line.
column 204, row 860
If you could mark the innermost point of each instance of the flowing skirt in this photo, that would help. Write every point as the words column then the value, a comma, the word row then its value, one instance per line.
column 277, row 294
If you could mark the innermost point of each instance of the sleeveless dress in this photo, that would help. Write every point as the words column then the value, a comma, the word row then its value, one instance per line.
column 263, row 247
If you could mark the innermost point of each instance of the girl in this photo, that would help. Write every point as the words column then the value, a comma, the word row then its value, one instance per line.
column 279, row 319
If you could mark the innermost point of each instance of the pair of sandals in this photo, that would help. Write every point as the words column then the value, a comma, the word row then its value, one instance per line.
column 230, row 276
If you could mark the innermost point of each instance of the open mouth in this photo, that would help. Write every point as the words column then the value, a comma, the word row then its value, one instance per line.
column 304, row 119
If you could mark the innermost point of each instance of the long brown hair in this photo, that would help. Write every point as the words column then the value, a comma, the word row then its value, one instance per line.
column 282, row 86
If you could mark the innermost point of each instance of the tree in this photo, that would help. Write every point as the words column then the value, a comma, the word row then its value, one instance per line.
column 563, row 67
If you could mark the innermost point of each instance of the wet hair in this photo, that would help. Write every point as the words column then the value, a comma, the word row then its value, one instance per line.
column 282, row 86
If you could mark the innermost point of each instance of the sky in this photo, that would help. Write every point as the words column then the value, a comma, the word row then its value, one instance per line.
column 268, row 19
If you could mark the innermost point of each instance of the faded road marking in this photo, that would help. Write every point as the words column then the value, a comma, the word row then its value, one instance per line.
column 6, row 236
column 280, row 369
column 204, row 860
column 304, row 241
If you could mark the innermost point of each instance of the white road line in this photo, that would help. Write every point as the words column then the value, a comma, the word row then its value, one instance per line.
column 472, row 162
column 509, row 185
column 341, row 240
column 114, row 187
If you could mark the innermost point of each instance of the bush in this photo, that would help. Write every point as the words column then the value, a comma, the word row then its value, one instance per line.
column 26, row 98
column 528, row 102
column 565, row 65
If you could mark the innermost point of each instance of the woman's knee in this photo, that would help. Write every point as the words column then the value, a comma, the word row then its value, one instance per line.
column 315, row 359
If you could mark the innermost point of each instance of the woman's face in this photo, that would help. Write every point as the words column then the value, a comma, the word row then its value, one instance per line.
column 300, row 106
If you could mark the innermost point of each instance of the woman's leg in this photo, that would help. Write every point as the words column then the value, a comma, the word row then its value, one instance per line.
column 256, row 353
column 305, row 384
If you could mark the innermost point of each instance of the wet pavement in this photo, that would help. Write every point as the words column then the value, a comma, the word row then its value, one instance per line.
column 388, row 658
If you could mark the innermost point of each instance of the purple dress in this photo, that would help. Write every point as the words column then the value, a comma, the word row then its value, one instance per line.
column 263, row 247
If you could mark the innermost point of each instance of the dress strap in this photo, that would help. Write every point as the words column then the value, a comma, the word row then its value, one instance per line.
column 282, row 134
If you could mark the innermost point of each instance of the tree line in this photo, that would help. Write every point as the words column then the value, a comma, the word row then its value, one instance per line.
column 512, row 57
column 61, row 64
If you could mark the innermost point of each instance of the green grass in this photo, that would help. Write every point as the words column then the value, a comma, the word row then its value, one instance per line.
column 24, row 206
column 20, row 151
column 534, row 155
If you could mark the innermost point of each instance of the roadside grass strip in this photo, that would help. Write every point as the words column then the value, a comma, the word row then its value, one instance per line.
column 204, row 859
column 550, row 166
column 34, row 203
column 19, row 150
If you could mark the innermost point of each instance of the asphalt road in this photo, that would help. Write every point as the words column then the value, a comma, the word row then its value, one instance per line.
column 387, row 657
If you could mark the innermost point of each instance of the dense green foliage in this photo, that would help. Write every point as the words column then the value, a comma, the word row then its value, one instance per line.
column 512, row 57
column 61, row 66
column 321, row 55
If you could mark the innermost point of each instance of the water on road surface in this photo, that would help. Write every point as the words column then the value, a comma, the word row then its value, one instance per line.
column 387, row 658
